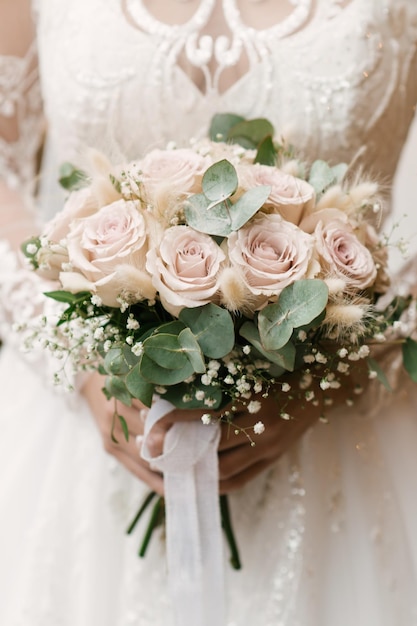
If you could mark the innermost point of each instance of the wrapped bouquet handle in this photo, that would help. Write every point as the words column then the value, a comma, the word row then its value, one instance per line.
column 194, row 541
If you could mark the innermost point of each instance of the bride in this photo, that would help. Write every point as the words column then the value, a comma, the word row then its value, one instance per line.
column 324, row 513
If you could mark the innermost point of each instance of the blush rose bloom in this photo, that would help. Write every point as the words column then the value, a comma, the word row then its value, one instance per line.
column 179, row 170
column 54, row 254
column 185, row 268
column 343, row 255
column 271, row 253
column 103, row 243
column 291, row 197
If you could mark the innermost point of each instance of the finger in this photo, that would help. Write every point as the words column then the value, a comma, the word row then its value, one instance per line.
column 153, row 479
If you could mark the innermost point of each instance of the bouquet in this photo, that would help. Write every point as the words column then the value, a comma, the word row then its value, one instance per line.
column 206, row 274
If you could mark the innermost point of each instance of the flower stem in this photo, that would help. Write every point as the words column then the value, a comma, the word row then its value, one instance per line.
column 228, row 530
column 142, row 509
column 153, row 523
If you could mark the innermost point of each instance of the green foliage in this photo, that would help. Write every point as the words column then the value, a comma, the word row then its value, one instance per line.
column 298, row 305
column 213, row 329
column 322, row 175
column 410, row 358
column 213, row 212
column 374, row 366
column 221, row 124
column 71, row 178
column 267, row 152
column 220, row 181
column 283, row 357
column 138, row 387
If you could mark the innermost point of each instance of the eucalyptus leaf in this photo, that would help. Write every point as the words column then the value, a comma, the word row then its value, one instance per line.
column 71, row 178
column 253, row 131
column 68, row 297
column 170, row 328
column 221, row 124
column 321, row 176
column 138, row 387
column 192, row 350
column 165, row 351
column 267, row 153
column 115, row 362
column 213, row 328
column 154, row 373
column 215, row 221
column 339, row 172
column 178, row 395
column 284, row 357
column 116, row 388
column 298, row 304
column 220, row 181
column 410, row 358
column 124, row 426
column 247, row 205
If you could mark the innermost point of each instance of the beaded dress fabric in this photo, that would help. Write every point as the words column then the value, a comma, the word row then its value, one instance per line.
column 327, row 536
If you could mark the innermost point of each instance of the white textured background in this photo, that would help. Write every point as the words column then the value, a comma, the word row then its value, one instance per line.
column 405, row 194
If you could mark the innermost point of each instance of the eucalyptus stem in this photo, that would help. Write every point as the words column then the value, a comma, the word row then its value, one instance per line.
column 142, row 509
column 228, row 530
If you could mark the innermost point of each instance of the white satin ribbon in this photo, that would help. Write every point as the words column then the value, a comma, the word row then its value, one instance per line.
column 194, row 540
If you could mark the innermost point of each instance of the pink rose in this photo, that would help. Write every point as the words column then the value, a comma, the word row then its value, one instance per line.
column 271, row 253
column 100, row 245
column 291, row 197
column 185, row 269
column 54, row 254
column 80, row 203
column 180, row 171
column 342, row 254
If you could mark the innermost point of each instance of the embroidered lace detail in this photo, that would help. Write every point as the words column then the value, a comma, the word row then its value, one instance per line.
column 20, row 102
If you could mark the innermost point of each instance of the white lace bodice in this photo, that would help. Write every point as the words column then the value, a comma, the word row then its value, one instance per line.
column 333, row 77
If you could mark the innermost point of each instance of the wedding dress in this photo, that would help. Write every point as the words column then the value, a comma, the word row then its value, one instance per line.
column 327, row 536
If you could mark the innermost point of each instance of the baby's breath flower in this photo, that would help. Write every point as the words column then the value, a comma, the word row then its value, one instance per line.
column 257, row 388
column 259, row 428
column 320, row 358
column 210, row 402
column 129, row 340
column 305, row 381
column 206, row 419
column 302, row 335
column 309, row 358
column 199, row 394
column 206, row 379
column 285, row 416
column 254, row 406
column 96, row 300
column 131, row 323
column 229, row 380
column 342, row 353
column 137, row 349
column 343, row 368
column 160, row 389
column 324, row 384
column 246, row 349
column 99, row 333
column 379, row 337
column 187, row 398
column 107, row 345
column 372, row 374
column 363, row 351
column 285, row 387
column 214, row 365
column 309, row 395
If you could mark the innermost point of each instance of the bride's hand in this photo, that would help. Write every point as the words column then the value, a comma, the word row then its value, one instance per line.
column 126, row 452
